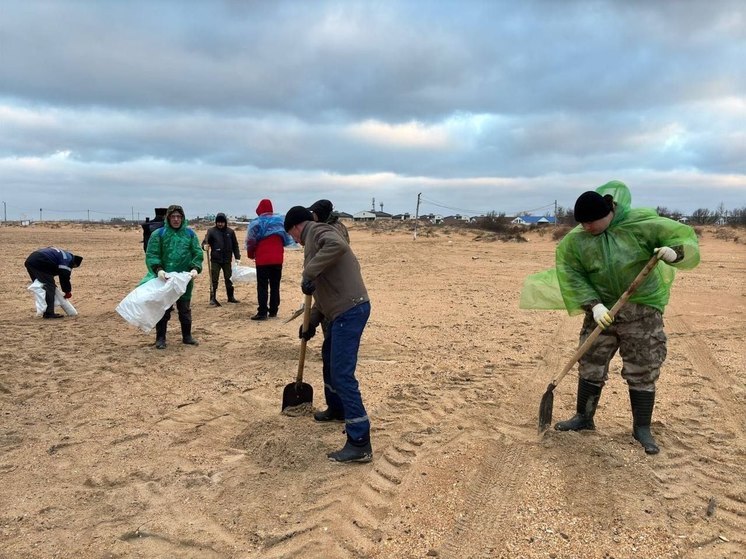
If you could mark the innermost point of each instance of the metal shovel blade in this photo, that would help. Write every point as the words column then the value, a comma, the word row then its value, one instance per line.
column 295, row 394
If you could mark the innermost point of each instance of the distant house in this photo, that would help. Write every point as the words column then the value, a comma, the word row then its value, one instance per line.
column 382, row 215
column 533, row 220
column 435, row 219
column 401, row 217
column 344, row 216
column 453, row 219
column 364, row 216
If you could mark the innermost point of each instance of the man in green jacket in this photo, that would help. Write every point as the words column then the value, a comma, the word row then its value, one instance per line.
column 596, row 262
column 174, row 248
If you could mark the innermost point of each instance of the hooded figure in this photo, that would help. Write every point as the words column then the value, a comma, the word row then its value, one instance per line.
column 595, row 264
column 323, row 212
column 44, row 264
column 148, row 226
column 174, row 248
column 266, row 240
column 223, row 248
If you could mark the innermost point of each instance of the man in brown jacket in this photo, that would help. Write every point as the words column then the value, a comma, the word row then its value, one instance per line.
column 331, row 273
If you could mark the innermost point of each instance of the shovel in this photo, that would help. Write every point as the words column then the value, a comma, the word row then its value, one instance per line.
column 299, row 392
column 547, row 401
column 212, row 287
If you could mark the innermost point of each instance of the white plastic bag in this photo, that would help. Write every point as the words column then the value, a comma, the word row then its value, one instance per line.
column 145, row 305
column 243, row 274
column 40, row 298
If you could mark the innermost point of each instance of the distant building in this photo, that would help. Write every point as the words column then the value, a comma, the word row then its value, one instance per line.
column 401, row 217
column 453, row 219
column 364, row 216
column 533, row 220
column 344, row 216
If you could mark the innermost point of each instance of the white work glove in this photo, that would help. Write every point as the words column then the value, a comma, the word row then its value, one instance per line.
column 601, row 316
column 193, row 273
column 162, row 274
column 667, row 254
column 238, row 262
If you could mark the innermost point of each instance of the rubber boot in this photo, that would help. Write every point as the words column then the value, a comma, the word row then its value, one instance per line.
column 352, row 453
column 229, row 292
column 185, row 318
column 588, row 396
column 328, row 415
column 642, row 412
column 160, row 334
column 214, row 302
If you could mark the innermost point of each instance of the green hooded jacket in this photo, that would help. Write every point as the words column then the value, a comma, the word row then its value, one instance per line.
column 591, row 269
column 174, row 250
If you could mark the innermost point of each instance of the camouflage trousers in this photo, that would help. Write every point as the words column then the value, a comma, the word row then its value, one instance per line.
column 637, row 332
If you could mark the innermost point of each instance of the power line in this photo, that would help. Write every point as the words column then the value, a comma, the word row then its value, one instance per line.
column 438, row 204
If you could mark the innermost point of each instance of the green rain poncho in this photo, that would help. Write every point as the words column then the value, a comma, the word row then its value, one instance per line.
column 600, row 268
column 174, row 250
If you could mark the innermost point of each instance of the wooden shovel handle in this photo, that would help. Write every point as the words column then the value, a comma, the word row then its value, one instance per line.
column 306, row 323
column 618, row 305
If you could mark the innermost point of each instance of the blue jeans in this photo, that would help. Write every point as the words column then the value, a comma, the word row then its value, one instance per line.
column 339, row 356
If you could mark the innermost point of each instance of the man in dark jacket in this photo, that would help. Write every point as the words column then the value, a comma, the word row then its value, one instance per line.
column 46, row 263
column 323, row 211
column 223, row 247
column 148, row 226
column 266, row 240
column 331, row 273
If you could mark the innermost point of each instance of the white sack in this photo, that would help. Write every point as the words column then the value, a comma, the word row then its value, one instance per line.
column 40, row 298
column 145, row 305
column 243, row 274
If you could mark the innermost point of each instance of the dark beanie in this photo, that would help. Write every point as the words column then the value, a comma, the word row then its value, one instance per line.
column 591, row 206
column 296, row 215
column 221, row 217
column 77, row 260
column 322, row 209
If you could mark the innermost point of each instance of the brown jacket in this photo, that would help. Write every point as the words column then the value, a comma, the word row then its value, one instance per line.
column 332, row 266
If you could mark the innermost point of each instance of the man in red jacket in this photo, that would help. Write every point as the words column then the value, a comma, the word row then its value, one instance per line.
column 266, row 240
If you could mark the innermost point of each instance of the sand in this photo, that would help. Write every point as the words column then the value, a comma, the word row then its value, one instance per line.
column 109, row 448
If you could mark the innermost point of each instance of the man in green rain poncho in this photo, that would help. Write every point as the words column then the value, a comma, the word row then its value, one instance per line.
column 174, row 248
column 595, row 263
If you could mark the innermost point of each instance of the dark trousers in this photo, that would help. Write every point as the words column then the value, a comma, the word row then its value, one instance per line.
column 185, row 318
column 339, row 357
column 268, row 287
column 215, row 268
column 46, row 279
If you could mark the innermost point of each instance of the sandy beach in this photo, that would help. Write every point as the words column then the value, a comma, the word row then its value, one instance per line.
column 111, row 449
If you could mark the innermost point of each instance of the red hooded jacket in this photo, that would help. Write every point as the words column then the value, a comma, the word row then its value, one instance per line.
column 269, row 250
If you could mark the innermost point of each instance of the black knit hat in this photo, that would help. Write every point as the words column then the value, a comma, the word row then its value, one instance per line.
column 221, row 217
column 591, row 206
column 77, row 260
column 322, row 209
column 296, row 215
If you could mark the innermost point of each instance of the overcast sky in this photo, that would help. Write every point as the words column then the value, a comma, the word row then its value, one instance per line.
column 119, row 107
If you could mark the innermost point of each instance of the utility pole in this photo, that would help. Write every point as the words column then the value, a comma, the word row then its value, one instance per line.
column 89, row 215
column 417, row 215
column 5, row 212
column 40, row 218
column 555, row 213
column 133, row 213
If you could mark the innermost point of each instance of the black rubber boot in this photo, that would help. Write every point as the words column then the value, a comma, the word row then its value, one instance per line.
column 160, row 334
column 352, row 453
column 588, row 396
column 642, row 412
column 328, row 415
column 229, row 292
column 214, row 302
column 185, row 318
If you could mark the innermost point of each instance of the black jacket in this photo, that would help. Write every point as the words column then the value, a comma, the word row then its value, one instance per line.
column 222, row 243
